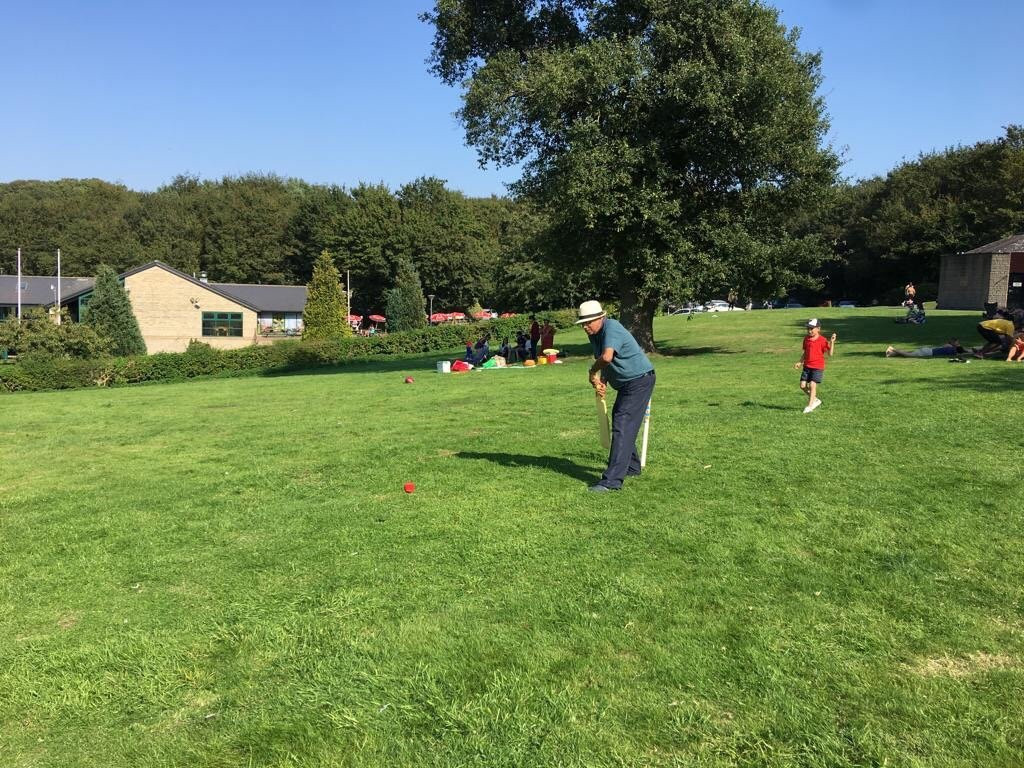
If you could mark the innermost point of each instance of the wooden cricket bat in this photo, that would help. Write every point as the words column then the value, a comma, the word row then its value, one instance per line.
column 647, row 429
column 602, row 422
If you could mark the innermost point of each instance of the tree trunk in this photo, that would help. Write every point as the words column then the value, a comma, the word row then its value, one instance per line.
column 637, row 315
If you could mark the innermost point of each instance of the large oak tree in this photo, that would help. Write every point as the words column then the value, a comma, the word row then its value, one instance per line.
column 668, row 140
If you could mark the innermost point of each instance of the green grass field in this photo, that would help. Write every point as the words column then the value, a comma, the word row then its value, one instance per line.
column 228, row 573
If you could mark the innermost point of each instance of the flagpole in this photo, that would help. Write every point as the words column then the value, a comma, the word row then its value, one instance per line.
column 58, row 286
column 19, row 285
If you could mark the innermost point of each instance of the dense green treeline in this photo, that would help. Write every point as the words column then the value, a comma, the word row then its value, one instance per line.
column 267, row 229
column 263, row 228
column 890, row 230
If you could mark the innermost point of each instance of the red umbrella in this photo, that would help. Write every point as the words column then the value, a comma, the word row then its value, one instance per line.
column 438, row 317
column 507, row 314
column 355, row 318
column 481, row 315
column 378, row 319
column 456, row 316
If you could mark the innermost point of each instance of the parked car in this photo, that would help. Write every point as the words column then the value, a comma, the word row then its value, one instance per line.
column 686, row 309
column 794, row 305
column 717, row 305
column 847, row 304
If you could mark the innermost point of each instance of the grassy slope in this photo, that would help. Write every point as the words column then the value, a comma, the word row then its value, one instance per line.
column 228, row 573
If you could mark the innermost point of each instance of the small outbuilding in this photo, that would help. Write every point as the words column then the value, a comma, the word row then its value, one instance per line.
column 991, row 274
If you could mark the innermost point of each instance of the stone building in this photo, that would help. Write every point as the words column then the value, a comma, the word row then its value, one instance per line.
column 173, row 308
column 991, row 274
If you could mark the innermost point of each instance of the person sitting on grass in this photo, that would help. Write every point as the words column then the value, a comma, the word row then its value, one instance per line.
column 950, row 348
column 505, row 350
column 520, row 351
column 1017, row 348
column 482, row 350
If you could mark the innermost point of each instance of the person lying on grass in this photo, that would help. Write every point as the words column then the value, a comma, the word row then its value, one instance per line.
column 950, row 348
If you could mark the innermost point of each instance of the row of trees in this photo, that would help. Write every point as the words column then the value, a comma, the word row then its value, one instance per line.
column 888, row 230
column 266, row 229
column 874, row 235
column 668, row 150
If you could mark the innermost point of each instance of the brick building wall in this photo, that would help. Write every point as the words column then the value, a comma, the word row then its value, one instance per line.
column 965, row 281
column 169, row 318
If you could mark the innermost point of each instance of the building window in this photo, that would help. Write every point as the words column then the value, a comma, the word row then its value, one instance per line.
column 222, row 323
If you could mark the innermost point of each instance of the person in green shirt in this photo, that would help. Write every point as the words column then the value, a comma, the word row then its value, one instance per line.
column 620, row 362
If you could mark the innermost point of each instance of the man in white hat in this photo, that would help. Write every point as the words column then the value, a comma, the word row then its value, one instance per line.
column 619, row 361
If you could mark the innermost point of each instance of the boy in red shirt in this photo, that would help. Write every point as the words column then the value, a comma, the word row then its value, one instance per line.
column 813, row 362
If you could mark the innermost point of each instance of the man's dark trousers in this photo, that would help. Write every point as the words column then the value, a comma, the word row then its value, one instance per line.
column 627, row 417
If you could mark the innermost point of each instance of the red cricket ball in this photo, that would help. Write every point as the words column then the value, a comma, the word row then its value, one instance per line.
column 409, row 379
column 409, row 487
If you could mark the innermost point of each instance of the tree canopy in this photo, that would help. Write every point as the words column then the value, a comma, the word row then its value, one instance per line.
column 894, row 229
column 665, row 140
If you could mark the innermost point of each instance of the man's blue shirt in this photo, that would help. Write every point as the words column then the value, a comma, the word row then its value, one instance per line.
column 629, row 361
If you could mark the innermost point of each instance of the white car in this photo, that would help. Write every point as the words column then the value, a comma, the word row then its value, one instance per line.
column 686, row 309
column 717, row 305
column 847, row 304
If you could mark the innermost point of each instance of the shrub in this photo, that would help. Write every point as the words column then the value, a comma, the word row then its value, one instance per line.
column 406, row 308
column 110, row 314
column 324, row 315
column 200, row 359
column 37, row 335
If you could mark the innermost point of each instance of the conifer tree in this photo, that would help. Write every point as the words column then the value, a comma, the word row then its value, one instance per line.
column 406, row 307
column 109, row 313
column 324, row 316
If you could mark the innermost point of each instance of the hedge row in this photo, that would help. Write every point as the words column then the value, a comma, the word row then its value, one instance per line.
column 35, row 373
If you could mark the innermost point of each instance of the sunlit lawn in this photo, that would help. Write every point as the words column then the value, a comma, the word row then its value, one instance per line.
column 228, row 572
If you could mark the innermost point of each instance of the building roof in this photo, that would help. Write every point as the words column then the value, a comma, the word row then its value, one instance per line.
column 40, row 291
column 259, row 298
column 267, row 298
column 149, row 265
column 1014, row 244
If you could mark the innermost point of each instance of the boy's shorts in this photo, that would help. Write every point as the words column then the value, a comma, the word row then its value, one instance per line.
column 812, row 374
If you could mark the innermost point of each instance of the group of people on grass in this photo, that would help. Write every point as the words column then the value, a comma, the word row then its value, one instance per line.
column 527, row 344
column 1003, row 335
column 620, row 362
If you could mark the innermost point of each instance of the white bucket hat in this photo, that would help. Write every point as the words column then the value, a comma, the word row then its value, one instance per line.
column 589, row 310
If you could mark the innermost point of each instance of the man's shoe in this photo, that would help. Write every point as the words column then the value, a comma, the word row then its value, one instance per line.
column 813, row 405
column 598, row 488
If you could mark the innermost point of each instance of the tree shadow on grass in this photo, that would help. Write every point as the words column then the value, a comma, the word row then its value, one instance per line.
column 872, row 329
column 552, row 463
column 691, row 351
column 416, row 364
column 985, row 376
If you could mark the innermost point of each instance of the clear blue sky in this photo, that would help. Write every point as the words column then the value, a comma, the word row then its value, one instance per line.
column 338, row 92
